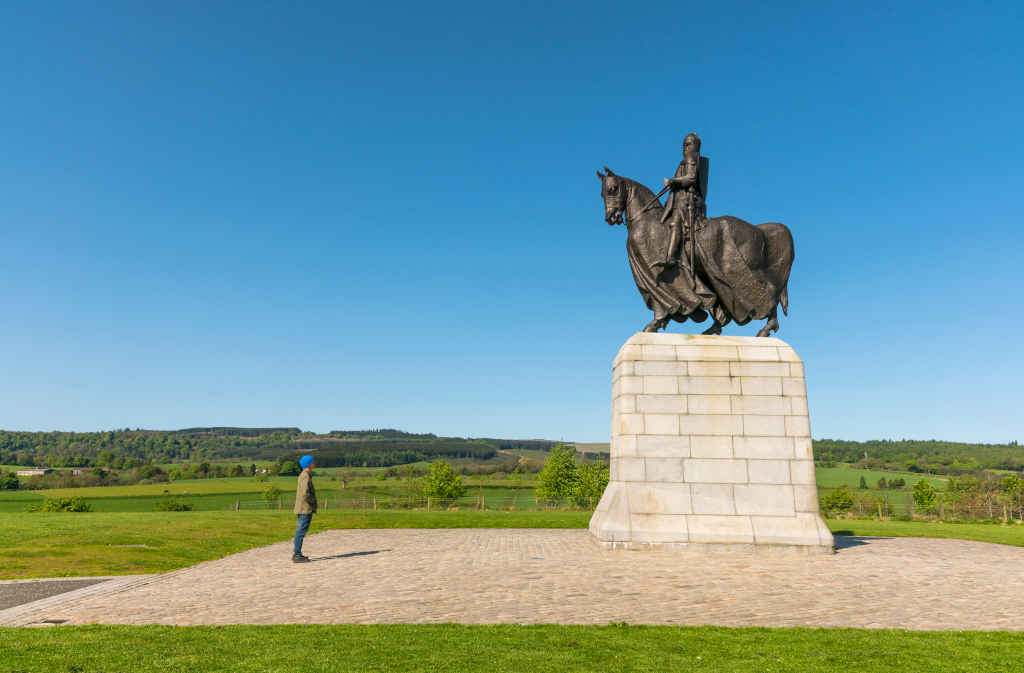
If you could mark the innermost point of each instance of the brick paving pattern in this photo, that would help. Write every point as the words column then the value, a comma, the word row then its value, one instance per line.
column 488, row 576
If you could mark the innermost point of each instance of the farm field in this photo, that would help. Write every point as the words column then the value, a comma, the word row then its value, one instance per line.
column 67, row 545
column 507, row 647
column 830, row 477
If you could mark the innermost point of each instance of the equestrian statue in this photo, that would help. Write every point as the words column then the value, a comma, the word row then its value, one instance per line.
column 687, row 265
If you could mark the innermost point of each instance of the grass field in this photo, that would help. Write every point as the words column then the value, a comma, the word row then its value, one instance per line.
column 75, row 545
column 501, row 648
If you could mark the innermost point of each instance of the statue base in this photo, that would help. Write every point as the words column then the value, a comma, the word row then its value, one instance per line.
column 710, row 449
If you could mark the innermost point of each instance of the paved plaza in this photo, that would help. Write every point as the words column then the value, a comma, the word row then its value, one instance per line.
column 489, row 576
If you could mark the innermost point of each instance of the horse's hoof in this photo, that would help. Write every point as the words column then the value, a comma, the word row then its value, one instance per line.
column 714, row 330
column 765, row 332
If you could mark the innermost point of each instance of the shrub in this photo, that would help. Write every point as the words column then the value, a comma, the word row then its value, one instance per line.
column 839, row 500
column 271, row 494
column 172, row 505
column 289, row 469
column 560, row 474
column 75, row 503
column 381, row 477
column 144, row 482
column 881, row 483
column 442, row 481
column 924, row 494
column 863, row 482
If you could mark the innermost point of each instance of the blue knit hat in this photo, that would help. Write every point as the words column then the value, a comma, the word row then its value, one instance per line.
column 305, row 461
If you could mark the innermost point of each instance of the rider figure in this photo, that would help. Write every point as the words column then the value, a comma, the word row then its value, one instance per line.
column 685, row 199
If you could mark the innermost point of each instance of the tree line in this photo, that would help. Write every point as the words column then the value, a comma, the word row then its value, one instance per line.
column 930, row 456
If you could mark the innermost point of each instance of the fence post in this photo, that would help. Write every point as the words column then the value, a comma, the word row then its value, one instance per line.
column 375, row 503
column 428, row 504
column 942, row 511
column 279, row 504
column 483, row 502
column 879, row 510
column 236, row 505
column 1004, row 515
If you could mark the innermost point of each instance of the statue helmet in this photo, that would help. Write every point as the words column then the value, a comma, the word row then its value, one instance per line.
column 696, row 141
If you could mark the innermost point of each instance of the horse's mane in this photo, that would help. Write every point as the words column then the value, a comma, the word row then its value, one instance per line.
column 640, row 191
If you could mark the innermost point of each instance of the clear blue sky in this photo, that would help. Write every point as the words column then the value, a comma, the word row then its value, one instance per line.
column 356, row 215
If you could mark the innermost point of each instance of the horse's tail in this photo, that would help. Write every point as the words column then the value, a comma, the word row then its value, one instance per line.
column 780, row 258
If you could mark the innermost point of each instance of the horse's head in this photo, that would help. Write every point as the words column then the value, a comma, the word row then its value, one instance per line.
column 615, row 195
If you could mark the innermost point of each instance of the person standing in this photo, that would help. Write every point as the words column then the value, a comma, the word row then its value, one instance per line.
column 305, row 506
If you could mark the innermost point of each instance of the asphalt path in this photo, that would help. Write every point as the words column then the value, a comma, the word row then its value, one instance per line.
column 21, row 592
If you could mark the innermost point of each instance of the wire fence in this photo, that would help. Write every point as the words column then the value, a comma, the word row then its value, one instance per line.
column 399, row 502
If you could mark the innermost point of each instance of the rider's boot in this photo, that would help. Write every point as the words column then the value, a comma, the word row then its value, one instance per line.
column 670, row 260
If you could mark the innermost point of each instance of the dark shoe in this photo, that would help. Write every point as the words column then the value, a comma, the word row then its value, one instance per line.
column 300, row 559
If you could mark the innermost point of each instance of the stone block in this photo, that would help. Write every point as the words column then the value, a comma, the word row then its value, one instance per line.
column 631, row 424
column 764, row 426
column 629, row 385
column 800, row 529
column 794, row 387
column 713, row 529
column 709, row 368
column 715, row 471
column 665, row 498
column 709, row 385
column 659, row 368
column 803, row 448
column 761, row 405
column 663, row 446
column 664, row 470
column 658, row 528
column 806, row 498
column 624, row 404
column 627, row 353
column 764, row 499
column 771, row 369
column 721, row 424
column 799, row 405
column 787, row 354
column 661, row 385
column 706, row 353
column 796, row 369
column 798, row 426
column 712, row 499
column 662, row 404
column 708, row 404
column 658, row 353
column 765, row 353
column 710, row 447
column 764, row 448
column 632, row 469
column 661, row 424
column 759, row 385
column 768, row 472
column 627, row 445
column 802, row 472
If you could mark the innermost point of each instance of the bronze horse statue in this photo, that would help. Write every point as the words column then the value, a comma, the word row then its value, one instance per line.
column 740, row 271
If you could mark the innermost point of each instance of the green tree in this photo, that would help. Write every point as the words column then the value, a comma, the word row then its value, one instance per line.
column 863, row 482
column 442, row 481
column 591, row 480
column 881, row 483
column 924, row 494
column 560, row 475
column 10, row 482
column 289, row 469
column 252, row 470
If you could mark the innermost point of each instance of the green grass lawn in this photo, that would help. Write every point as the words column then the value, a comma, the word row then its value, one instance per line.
column 501, row 648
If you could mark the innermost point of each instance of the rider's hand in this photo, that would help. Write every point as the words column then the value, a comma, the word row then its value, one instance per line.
column 666, row 182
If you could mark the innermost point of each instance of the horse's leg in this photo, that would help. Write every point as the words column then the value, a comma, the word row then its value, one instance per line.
column 773, row 323
column 660, row 321
column 716, row 328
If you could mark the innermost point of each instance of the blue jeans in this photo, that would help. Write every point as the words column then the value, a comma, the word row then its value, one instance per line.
column 300, row 532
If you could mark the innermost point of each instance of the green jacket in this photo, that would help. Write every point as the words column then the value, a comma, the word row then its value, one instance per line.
column 305, row 495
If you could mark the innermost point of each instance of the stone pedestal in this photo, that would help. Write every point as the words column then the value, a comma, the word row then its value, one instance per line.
column 710, row 449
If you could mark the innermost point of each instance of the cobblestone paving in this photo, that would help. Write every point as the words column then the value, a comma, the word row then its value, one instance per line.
column 484, row 576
